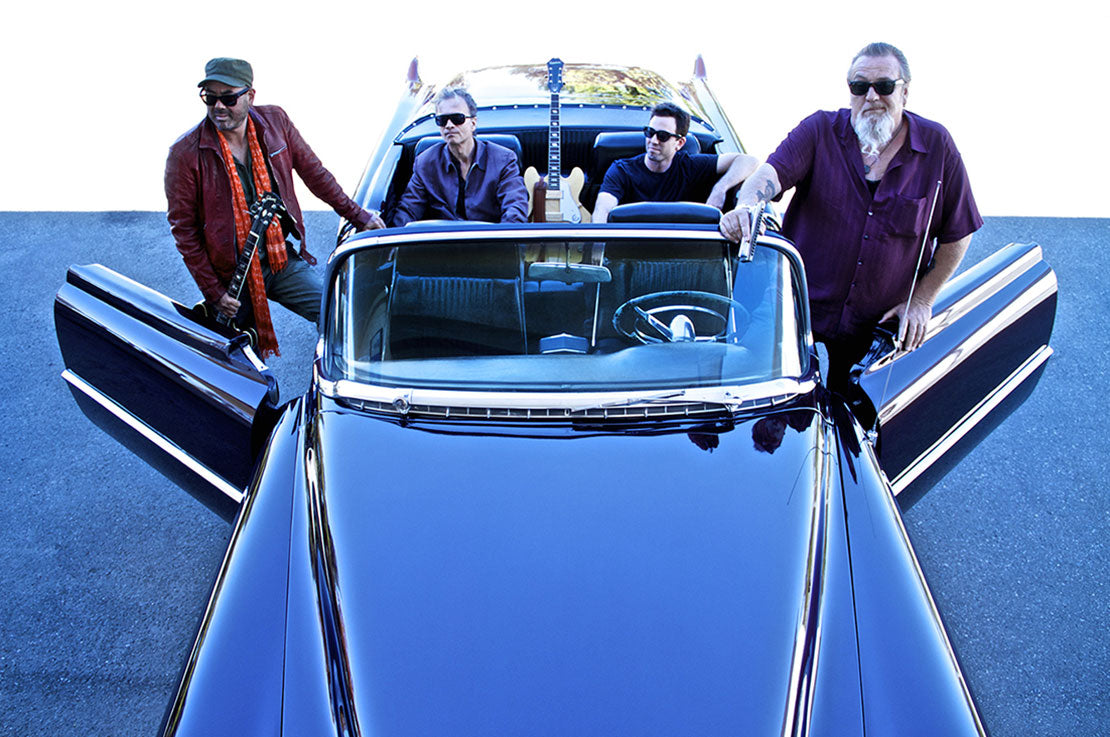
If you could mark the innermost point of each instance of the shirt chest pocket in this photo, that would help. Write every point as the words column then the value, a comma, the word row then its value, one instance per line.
column 279, row 159
column 906, row 216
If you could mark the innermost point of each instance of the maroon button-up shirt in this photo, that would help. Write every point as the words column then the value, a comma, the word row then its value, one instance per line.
column 860, row 251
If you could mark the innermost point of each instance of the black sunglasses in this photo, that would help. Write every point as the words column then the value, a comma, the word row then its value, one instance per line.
column 456, row 118
column 231, row 99
column 883, row 86
column 663, row 136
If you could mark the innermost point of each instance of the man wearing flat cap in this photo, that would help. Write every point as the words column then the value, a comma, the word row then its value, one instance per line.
column 217, row 170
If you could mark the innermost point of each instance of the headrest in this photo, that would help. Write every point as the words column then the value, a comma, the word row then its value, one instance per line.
column 612, row 145
column 508, row 140
column 665, row 212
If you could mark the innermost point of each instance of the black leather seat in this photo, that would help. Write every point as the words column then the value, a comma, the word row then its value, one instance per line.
column 665, row 212
column 508, row 140
column 610, row 146
column 449, row 300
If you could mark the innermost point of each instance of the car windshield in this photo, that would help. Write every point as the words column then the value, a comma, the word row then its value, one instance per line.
column 582, row 84
column 577, row 315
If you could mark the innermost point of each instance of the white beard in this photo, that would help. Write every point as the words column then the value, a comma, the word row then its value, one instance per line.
column 874, row 132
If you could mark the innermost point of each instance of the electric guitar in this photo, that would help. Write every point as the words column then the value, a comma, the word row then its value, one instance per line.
column 262, row 213
column 561, row 195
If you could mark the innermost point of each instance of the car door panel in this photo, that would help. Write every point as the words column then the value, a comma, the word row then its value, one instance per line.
column 986, row 346
column 193, row 402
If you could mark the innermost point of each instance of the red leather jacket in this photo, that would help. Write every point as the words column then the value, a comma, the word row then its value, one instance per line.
column 198, row 194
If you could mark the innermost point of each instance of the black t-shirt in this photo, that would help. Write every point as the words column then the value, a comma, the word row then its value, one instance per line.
column 688, row 179
column 246, row 178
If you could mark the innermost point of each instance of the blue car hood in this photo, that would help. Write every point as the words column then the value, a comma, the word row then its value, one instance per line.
column 461, row 584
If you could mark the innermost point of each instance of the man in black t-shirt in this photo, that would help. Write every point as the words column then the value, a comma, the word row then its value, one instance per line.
column 666, row 174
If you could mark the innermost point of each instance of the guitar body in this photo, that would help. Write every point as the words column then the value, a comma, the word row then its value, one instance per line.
column 205, row 311
column 559, row 206
column 536, row 185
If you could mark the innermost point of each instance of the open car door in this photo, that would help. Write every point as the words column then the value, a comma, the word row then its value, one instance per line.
column 195, row 403
column 985, row 349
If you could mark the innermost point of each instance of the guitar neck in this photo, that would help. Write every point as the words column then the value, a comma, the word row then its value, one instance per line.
column 258, row 229
column 235, row 288
column 554, row 137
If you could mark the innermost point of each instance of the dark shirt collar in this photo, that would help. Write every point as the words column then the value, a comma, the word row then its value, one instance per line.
column 209, row 136
column 916, row 139
column 481, row 153
column 674, row 160
column 847, row 134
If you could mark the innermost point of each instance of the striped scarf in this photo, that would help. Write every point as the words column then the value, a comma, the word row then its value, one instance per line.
column 275, row 240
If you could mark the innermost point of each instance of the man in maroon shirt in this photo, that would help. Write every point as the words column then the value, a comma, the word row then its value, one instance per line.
column 865, row 179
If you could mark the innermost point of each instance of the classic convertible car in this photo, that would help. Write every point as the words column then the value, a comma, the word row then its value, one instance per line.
column 564, row 479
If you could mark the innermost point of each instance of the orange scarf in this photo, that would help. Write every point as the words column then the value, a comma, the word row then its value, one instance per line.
column 275, row 240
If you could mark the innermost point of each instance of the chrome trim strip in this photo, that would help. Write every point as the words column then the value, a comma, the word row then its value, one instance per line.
column 162, row 443
column 803, row 662
column 980, row 294
column 897, row 515
column 535, row 232
column 255, row 361
column 792, row 364
column 495, row 404
column 970, row 420
column 971, row 300
column 542, row 232
column 126, row 336
column 1041, row 290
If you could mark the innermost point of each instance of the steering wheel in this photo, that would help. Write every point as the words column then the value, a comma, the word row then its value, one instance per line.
column 674, row 317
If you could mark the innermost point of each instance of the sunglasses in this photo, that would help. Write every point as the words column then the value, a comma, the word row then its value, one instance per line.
column 883, row 86
column 456, row 118
column 663, row 136
column 231, row 99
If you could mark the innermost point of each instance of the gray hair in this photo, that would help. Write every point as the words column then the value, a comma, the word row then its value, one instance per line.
column 880, row 49
column 448, row 93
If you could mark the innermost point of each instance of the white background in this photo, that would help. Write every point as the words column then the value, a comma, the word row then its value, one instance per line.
column 96, row 92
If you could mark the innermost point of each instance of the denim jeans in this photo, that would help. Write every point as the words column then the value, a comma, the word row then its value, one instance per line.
column 297, row 287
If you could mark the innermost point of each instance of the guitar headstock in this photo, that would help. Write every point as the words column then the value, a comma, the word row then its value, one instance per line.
column 555, row 76
column 266, row 206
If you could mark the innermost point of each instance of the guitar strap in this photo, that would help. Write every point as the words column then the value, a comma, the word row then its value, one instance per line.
column 275, row 239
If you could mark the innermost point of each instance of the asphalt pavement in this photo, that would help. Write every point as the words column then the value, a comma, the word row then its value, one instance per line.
column 105, row 566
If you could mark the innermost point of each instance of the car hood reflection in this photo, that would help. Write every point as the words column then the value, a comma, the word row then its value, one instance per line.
column 467, row 584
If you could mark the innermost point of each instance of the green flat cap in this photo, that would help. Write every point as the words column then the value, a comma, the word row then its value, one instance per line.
column 234, row 72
